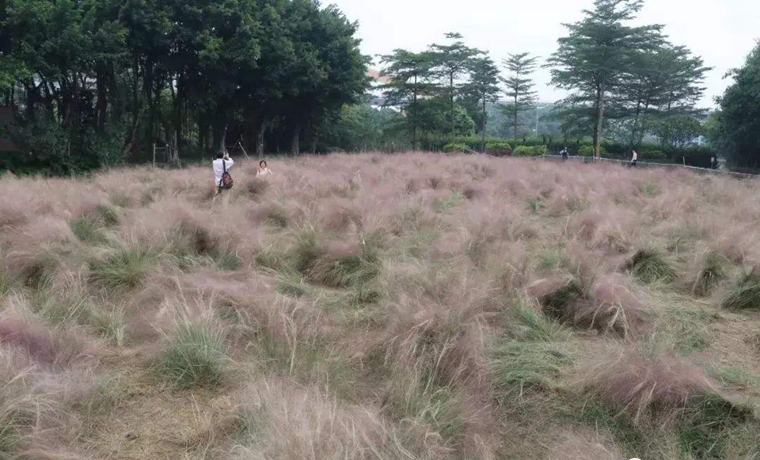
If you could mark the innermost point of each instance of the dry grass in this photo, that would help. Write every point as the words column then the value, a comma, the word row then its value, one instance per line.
column 380, row 307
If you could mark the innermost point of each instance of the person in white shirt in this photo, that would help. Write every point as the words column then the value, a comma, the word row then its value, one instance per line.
column 634, row 158
column 223, row 162
column 263, row 170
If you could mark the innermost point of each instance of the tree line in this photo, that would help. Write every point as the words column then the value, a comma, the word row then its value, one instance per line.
column 94, row 81
column 735, row 127
column 628, row 81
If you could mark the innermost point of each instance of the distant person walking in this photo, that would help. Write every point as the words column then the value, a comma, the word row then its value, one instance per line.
column 222, row 177
column 263, row 170
column 564, row 153
column 634, row 159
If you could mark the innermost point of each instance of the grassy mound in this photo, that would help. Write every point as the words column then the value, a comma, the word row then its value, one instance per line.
column 745, row 294
column 651, row 266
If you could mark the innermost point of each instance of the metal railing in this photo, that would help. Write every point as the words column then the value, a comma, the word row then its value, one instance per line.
column 644, row 164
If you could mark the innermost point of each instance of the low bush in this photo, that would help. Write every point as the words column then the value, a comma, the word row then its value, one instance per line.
column 498, row 148
column 588, row 151
column 459, row 148
column 526, row 151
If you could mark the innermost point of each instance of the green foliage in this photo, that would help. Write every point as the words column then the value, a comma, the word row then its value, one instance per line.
column 614, row 67
column 498, row 147
column 533, row 326
column 318, row 266
column 362, row 128
column 519, row 368
column 738, row 122
column 89, row 228
column 109, row 324
column 703, row 430
column 745, row 294
column 525, row 151
column 125, row 269
column 651, row 266
column 461, row 148
column 194, row 356
column 588, row 151
column 678, row 131
column 520, row 94
column 173, row 73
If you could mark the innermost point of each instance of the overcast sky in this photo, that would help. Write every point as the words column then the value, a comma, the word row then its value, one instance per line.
column 723, row 32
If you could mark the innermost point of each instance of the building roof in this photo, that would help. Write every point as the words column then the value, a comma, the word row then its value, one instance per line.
column 378, row 77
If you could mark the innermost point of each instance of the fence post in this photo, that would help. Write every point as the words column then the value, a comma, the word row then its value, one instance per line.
column 154, row 154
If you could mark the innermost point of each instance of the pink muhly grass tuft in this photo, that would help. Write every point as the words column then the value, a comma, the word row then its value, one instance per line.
column 41, row 344
column 638, row 385
column 609, row 306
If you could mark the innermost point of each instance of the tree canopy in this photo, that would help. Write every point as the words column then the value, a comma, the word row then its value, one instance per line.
column 109, row 78
column 738, row 122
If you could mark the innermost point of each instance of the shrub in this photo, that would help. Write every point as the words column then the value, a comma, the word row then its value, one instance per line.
column 499, row 148
column 524, row 151
column 460, row 148
column 588, row 151
column 653, row 155
column 745, row 295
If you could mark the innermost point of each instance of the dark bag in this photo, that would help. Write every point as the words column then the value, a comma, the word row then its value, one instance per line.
column 226, row 182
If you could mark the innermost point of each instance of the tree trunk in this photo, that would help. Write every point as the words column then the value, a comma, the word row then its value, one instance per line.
column 635, row 130
column 599, row 124
column 263, row 125
column 414, row 116
column 295, row 146
column 178, row 118
column 514, row 125
column 451, row 88
column 485, row 126
column 223, row 140
column 314, row 139
column 148, row 87
column 102, row 103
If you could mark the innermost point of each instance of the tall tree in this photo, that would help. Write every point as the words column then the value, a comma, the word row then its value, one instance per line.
column 739, row 118
column 664, row 81
column 519, row 86
column 450, row 63
column 410, row 80
column 483, row 88
column 597, row 53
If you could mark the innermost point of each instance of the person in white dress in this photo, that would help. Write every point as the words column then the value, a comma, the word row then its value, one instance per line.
column 263, row 170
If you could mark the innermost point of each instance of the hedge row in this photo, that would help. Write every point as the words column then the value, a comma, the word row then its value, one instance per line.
column 700, row 156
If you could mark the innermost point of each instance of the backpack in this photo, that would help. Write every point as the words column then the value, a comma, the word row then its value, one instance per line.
column 226, row 182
